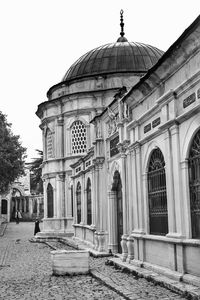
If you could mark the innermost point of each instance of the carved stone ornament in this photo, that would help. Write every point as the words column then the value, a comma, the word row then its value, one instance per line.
column 99, row 161
column 98, row 129
column 60, row 121
column 61, row 176
column 112, row 125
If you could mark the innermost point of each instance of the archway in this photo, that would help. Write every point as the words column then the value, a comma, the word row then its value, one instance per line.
column 16, row 202
column 117, row 188
column 194, row 179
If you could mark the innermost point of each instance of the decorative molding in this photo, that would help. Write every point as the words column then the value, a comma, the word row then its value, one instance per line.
column 189, row 100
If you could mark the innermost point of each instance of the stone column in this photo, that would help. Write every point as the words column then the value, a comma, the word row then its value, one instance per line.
column 146, row 202
column 93, row 199
column 100, row 234
column 180, row 223
column 124, row 198
column 67, row 197
column 55, row 208
column 135, row 193
column 97, row 206
column 59, row 138
column 170, row 185
column 45, row 198
column 112, row 222
column 131, row 188
column 82, row 200
column 186, row 199
column 139, row 188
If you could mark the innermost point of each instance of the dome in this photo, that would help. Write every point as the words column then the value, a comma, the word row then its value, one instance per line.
column 119, row 57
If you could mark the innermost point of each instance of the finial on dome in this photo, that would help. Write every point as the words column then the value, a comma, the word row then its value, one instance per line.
column 121, row 23
column 122, row 38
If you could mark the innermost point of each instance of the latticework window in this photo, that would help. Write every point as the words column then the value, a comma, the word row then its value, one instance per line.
column 78, row 137
column 158, row 213
column 194, row 177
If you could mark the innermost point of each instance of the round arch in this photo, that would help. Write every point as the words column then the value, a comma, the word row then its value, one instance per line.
column 151, row 147
column 188, row 137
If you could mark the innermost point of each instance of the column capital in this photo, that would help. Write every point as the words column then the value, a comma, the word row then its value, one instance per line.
column 184, row 164
column 60, row 121
column 60, row 177
column 174, row 129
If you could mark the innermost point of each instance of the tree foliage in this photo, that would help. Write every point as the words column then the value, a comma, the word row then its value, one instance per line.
column 36, row 173
column 12, row 155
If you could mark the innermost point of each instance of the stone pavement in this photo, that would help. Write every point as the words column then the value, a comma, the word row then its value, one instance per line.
column 26, row 273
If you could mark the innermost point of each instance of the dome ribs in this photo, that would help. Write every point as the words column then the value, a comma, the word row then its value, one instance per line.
column 119, row 57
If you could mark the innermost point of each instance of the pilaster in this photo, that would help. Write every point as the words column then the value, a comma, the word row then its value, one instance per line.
column 59, row 138
column 180, row 226
column 186, row 198
column 139, row 188
column 112, row 224
column 170, row 185
column 45, row 197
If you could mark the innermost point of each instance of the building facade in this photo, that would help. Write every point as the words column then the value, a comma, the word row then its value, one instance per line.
column 19, row 197
column 121, row 147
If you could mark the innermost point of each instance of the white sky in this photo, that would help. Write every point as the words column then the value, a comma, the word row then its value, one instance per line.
column 40, row 39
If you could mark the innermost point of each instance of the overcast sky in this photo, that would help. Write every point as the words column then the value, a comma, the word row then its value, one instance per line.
column 40, row 39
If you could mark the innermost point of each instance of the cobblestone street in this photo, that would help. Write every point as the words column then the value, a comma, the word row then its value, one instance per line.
column 25, row 273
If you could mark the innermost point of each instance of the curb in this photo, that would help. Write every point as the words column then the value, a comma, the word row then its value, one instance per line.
column 184, row 290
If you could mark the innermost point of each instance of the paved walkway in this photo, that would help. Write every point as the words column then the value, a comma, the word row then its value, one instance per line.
column 26, row 273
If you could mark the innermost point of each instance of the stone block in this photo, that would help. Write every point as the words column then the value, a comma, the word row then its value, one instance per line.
column 70, row 262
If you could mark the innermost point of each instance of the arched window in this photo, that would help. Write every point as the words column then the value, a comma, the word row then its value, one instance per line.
column 4, row 207
column 158, row 214
column 194, row 182
column 78, row 202
column 78, row 137
column 49, row 201
column 89, row 203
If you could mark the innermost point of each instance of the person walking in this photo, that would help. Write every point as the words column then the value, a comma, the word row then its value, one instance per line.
column 37, row 227
column 18, row 216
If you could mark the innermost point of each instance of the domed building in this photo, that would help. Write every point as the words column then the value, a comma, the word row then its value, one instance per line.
column 121, row 136
column 75, row 156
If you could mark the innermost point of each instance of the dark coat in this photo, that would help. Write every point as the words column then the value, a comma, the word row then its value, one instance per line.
column 37, row 227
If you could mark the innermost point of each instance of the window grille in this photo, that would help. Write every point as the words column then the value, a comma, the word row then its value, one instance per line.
column 194, row 184
column 49, row 201
column 78, row 201
column 158, row 214
column 89, row 203
column 78, row 137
